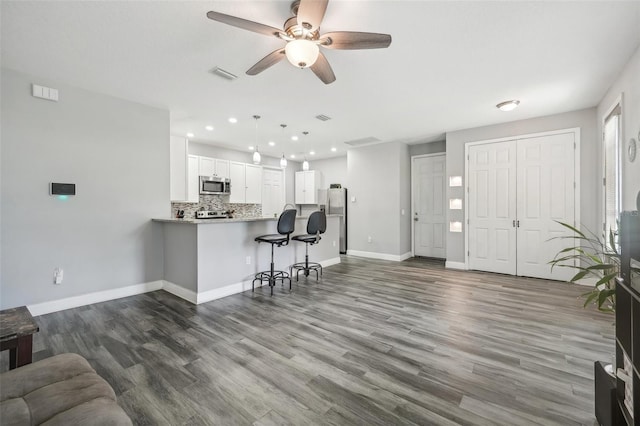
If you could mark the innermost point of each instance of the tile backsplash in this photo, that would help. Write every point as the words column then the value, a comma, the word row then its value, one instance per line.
column 216, row 202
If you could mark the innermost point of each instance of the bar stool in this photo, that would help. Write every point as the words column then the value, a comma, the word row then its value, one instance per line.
column 316, row 225
column 286, row 225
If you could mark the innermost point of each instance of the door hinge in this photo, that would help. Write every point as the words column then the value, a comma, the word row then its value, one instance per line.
column 468, row 253
column 574, row 185
column 467, row 221
column 574, row 145
column 467, row 189
column 604, row 181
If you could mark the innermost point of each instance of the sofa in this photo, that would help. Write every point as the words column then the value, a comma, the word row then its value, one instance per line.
column 61, row 390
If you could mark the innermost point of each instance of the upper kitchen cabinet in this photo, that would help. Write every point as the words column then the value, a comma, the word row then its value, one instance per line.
column 306, row 187
column 178, row 148
column 214, row 167
column 246, row 183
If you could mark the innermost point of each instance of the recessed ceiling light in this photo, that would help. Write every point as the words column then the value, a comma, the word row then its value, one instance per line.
column 294, row 138
column 251, row 148
column 334, row 149
column 233, row 120
column 272, row 143
column 508, row 105
column 190, row 135
column 209, row 128
column 292, row 156
column 312, row 153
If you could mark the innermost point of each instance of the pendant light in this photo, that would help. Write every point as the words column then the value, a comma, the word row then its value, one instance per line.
column 283, row 161
column 256, row 154
column 305, row 163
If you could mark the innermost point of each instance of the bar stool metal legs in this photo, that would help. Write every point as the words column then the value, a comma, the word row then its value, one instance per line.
column 271, row 276
column 305, row 266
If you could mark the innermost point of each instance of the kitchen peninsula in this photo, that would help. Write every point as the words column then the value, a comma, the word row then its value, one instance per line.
column 206, row 259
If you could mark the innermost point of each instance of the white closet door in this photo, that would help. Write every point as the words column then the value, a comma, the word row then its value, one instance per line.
column 429, row 208
column 545, row 194
column 492, row 207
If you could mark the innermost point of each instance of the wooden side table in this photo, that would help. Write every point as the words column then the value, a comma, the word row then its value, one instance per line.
column 16, row 334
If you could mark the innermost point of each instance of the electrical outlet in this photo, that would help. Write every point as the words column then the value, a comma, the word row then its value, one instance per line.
column 402, row 212
column 58, row 275
column 369, row 239
column 248, row 260
column 334, row 243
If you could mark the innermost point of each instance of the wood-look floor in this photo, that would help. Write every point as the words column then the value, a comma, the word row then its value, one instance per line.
column 374, row 343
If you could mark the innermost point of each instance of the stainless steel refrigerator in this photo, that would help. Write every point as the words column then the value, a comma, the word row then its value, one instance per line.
column 337, row 204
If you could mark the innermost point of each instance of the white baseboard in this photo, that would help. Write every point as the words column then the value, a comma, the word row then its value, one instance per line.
column 381, row 256
column 183, row 293
column 455, row 265
column 330, row 262
column 117, row 293
column 97, row 297
column 219, row 293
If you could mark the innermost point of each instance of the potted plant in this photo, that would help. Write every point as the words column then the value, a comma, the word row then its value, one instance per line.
column 592, row 257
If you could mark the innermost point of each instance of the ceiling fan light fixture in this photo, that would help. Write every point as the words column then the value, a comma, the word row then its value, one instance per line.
column 302, row 53
column 508, row 105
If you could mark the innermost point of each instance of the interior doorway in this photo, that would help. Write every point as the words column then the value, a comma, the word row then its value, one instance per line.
column 428, row 205
column 273, row 192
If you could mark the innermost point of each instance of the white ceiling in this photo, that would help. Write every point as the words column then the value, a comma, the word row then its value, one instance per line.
column 448, row 66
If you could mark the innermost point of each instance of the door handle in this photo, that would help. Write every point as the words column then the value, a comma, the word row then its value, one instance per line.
column 415, row 219
column 514, row 223
column 517, row 223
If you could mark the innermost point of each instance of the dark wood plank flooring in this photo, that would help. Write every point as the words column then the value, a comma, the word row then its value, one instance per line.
column 374, row 343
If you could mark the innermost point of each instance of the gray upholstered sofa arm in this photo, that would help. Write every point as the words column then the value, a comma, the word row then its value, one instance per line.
column 61, row 390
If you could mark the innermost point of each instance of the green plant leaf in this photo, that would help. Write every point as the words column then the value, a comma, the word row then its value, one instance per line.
column 607, row 278
column 575, row 230
column 580, row 275
column 592, row 295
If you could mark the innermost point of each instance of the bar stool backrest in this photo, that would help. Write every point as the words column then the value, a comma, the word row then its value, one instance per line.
column 287, row 222
column 317, row 223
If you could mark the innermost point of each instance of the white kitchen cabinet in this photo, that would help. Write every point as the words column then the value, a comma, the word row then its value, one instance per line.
column 214, row 167
column 193, row 183
column 178, row 148
column 222, row 168
column 246, row 183
column 306, row 186
column 207, row 166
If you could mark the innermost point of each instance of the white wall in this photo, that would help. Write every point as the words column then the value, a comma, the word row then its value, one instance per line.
column 377, row 176
column 627, row 84
column 247, row 157
column 584, row 119
column 117, row 154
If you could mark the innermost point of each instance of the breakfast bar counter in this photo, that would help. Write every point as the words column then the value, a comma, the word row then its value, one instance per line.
column 207, row 262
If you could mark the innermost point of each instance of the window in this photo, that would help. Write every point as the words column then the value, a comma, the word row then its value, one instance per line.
column 612, row 169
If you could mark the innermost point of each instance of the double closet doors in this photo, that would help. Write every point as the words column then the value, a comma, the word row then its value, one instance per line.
column 517, row 190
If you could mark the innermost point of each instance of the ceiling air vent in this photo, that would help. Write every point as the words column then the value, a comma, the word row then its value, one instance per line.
column 223, row 73
column 363, row 141
column 323, row 117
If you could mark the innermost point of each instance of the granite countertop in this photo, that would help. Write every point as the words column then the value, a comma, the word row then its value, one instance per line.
column 191, row 221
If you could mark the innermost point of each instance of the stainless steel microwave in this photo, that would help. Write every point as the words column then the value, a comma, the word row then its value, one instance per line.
column 214, row 185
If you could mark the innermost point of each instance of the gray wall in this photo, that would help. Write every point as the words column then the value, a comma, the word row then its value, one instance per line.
column 247, row 157
column 117, row 153
column 377, row 176
column 584, row 119
column 428, row 148
column 627, row 83
column 334, row 170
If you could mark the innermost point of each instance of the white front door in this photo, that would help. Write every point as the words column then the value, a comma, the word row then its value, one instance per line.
column 272, row 192
column 492, row 207
column 545, row 195
column 429, row 206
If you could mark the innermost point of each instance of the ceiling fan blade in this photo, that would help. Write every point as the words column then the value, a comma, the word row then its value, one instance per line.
column 244, row 24
column 269, row 60
column 323, row 70
column 349, row 40
column 311, row 12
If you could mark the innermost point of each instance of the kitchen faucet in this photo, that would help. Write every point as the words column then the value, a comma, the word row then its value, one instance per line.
column 289, row 204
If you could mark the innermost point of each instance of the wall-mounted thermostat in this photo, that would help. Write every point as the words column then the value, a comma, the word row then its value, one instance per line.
column 62, row 188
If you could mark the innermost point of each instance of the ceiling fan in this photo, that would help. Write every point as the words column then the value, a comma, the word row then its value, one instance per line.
column 302, row 34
